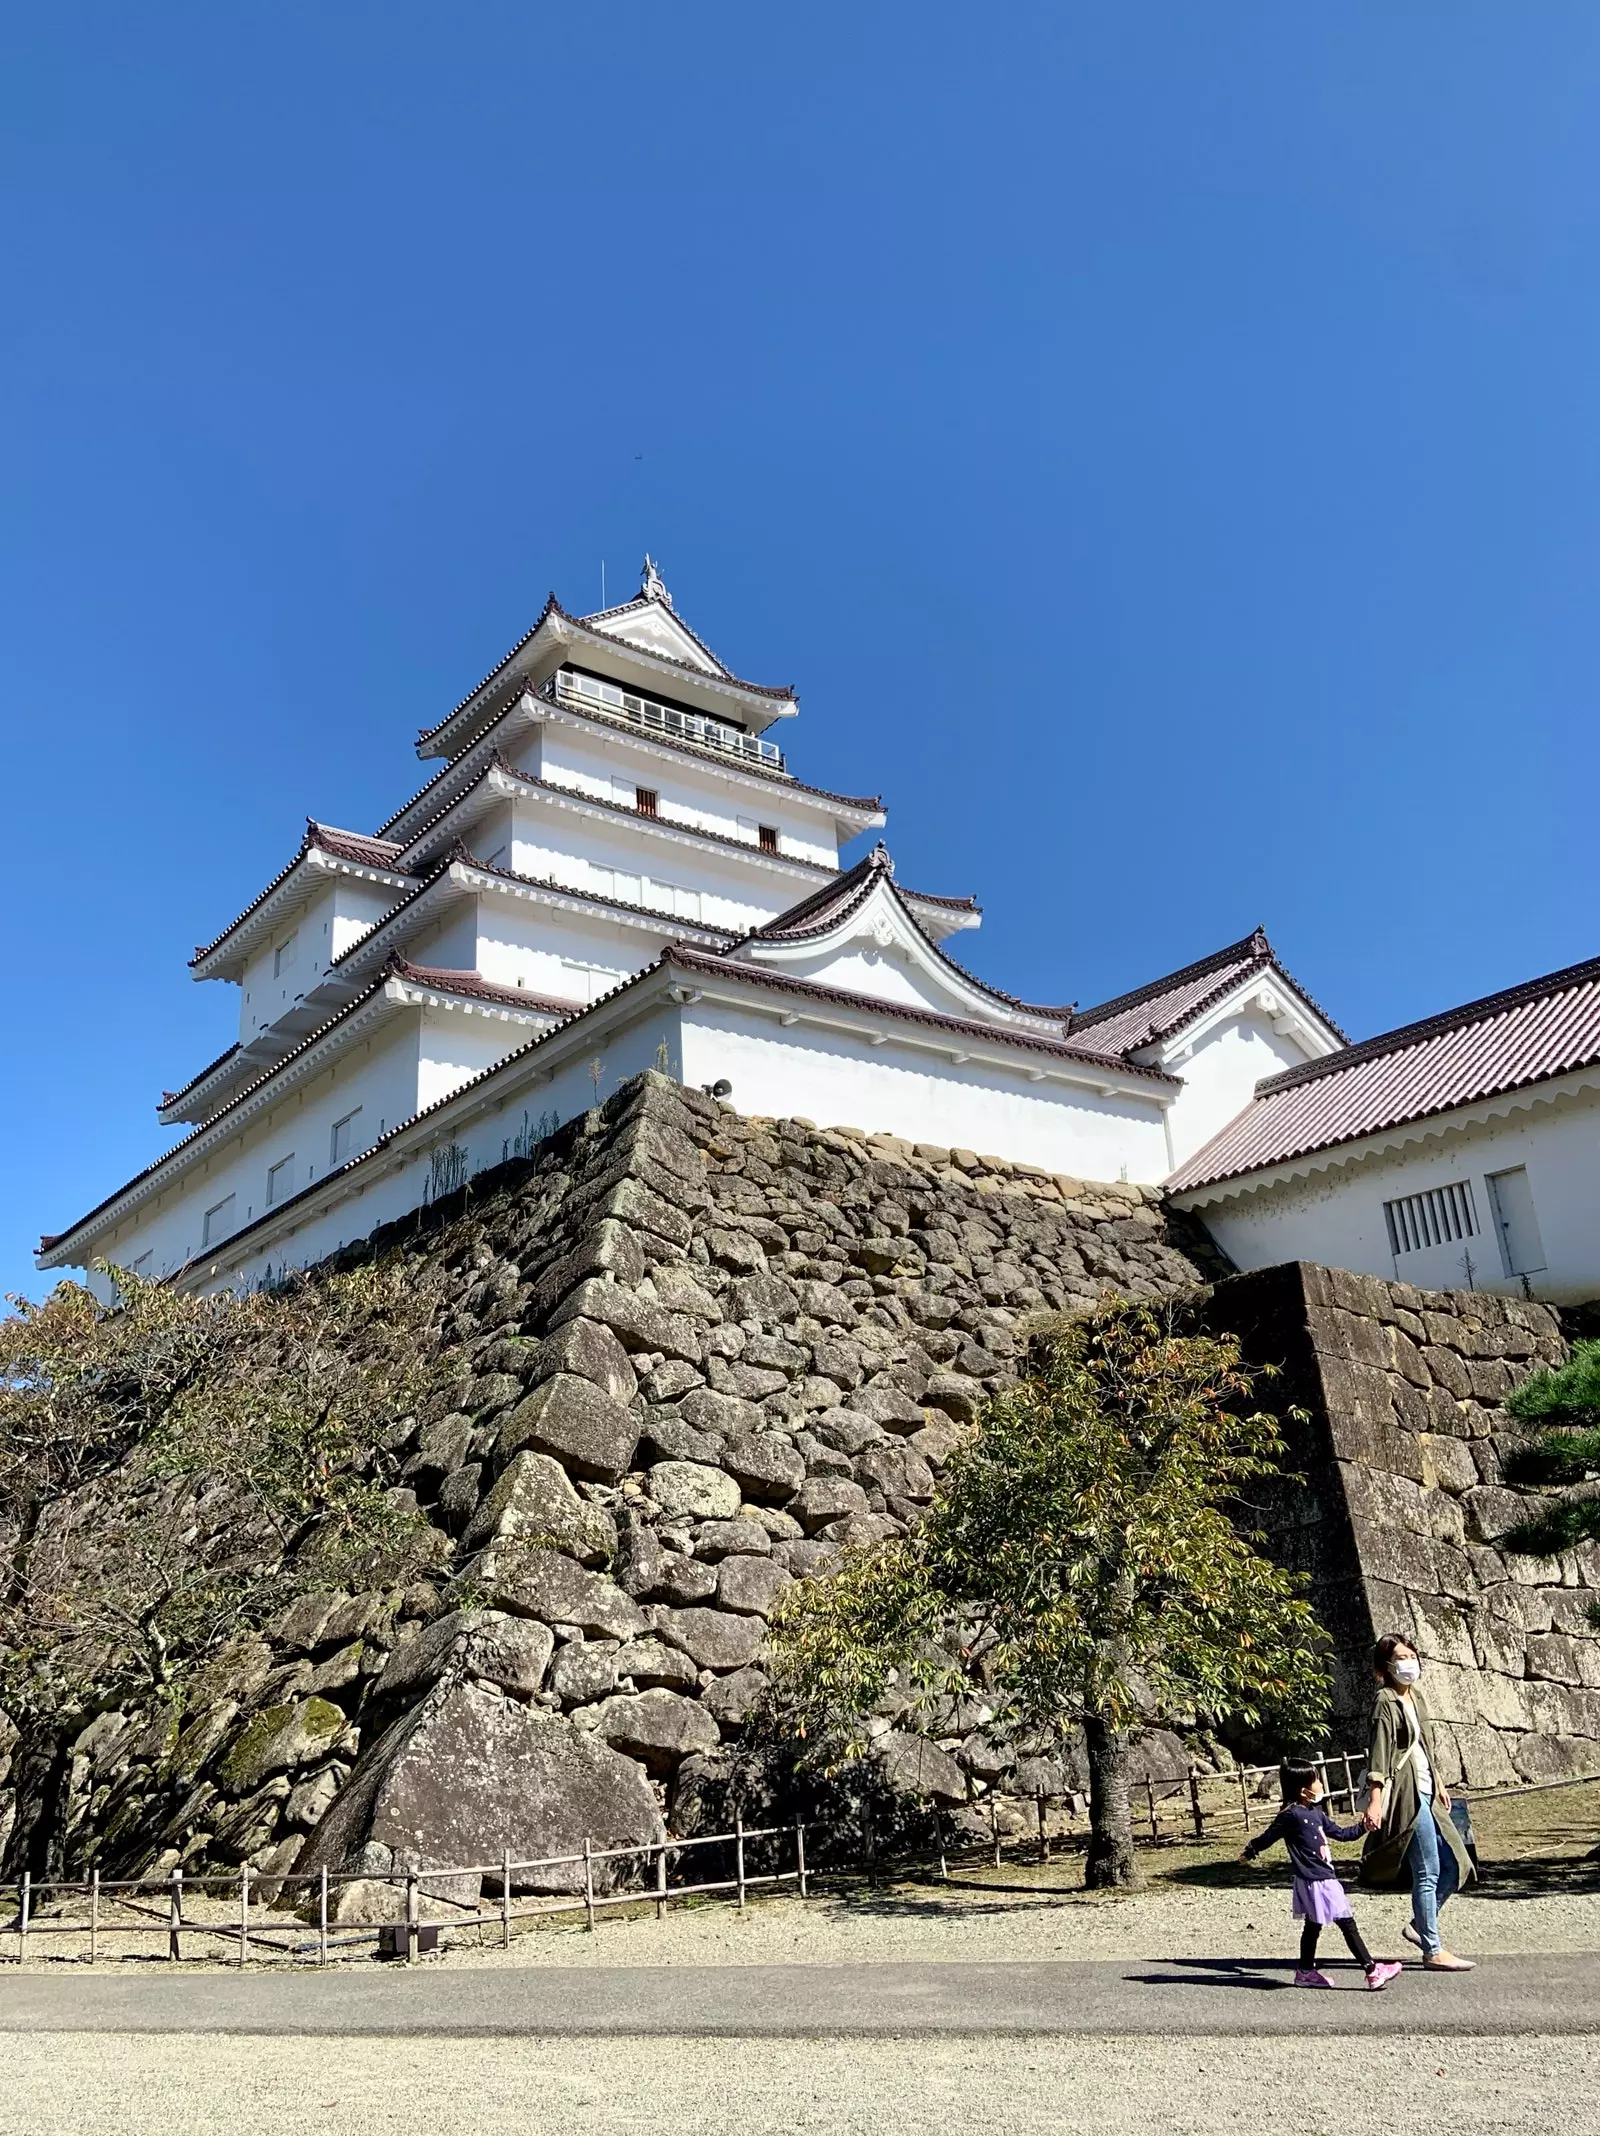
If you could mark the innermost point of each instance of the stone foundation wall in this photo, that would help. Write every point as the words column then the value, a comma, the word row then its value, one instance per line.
column 687, row 1356
column 1404, row 1505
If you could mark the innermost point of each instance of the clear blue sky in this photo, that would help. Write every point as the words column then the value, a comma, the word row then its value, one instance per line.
column 1160, row 442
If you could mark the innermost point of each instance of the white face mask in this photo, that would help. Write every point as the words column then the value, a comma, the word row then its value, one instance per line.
column 1405, row 1672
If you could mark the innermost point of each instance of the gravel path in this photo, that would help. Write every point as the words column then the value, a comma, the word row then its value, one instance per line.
column 1010, row 1914
column 1177, row 2087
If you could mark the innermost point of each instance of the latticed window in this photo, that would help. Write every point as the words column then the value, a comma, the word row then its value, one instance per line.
column 1435, row 1217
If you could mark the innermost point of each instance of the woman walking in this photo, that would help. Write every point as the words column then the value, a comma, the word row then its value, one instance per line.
column 1410, row 1833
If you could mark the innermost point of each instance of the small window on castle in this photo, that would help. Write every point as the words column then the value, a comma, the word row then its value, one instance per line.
column 343, row 1139
column 646, row 800
column 1433, row 1218
column 767, row 837
column 219, row 1220
column 280, row 1179
column 283, row 955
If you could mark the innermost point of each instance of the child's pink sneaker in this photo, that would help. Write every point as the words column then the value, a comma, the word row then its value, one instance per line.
column 1382, row 1973
column 1309, row 1977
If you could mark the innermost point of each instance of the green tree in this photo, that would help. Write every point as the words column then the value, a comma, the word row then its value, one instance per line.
column 1565, row 1402
column 1082, row 1563
column 173, row 1471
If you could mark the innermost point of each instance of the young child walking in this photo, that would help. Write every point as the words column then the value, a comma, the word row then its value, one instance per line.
column 1305, row 1828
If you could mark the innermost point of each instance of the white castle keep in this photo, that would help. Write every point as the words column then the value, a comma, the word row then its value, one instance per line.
column 615, row 869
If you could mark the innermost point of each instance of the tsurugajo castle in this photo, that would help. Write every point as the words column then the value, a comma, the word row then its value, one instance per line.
column 616, row 866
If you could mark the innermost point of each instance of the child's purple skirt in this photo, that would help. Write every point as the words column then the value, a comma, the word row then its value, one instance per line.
column 1323, row 1901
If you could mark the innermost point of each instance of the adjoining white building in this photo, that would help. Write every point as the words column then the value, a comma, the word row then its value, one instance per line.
column 1460, row 1152
column 615, row 869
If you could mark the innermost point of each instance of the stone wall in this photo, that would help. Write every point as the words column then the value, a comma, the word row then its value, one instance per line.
column 687, row 1355
column 1404, row 1505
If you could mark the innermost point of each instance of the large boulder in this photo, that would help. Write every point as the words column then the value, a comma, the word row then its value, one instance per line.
column 658, row 1727
column 280, row 1739
column 714, row 1638
column 512, row 1652
column 692, row 1488
column 578, row 1423
column 591, row 1350
column 534, row 1498
column 912, row 1765
column 764, row 1466
column 466, row 1774
column 528, row 1580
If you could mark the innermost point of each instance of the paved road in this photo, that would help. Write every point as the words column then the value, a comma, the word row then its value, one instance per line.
column 1191, row 1997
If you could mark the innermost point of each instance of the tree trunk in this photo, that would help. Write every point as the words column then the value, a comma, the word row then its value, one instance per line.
column 1111, row 1859
column 38, row 1836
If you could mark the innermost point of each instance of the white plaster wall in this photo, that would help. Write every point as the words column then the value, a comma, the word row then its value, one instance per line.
column 379, row 1074
column 530, row 1105
column 533, row 946
column 264, row 995
column 1220, row 1076
column 691, row 792
column 457, row 1045
column 621, row 858
column 330, row 922
column 357, row 909
column 451, row 943
column 837, row 1080
column 1336, row 1216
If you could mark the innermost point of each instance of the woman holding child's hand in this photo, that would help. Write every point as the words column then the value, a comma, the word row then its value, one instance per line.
column 1410, row 1833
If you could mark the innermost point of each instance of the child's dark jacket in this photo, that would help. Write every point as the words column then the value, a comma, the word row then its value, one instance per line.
column 1304, row 1829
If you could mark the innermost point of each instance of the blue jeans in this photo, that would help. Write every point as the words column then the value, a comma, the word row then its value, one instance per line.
column 1435, row 1875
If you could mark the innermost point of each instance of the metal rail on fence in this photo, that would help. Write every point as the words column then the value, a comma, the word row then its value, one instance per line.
column 108, row 1901
column 169, row 1919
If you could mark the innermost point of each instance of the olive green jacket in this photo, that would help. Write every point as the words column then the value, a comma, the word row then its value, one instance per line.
column 1390, row 1762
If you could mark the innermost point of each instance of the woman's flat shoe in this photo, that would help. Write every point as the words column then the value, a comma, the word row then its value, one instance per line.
column 1447, row 1962
column 1411, row 1935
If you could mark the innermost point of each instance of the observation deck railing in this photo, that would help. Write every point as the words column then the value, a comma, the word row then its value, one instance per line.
column 587, row 693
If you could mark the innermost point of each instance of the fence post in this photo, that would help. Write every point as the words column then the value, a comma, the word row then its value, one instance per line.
column 411, row 1917
column 175, row 1917
column 944, row 1860
column 588, row 1884
column 738, row 1853
column 661, row 1883
column 994, row 1826
column 1349, row 1781
column 1244, row 1798
column 505, row 1900
column 244, row 1916
column 94, row 1916
column 322, row 1916
column 1194, row 1802
column 24, row 1906
column 1150, row 1792
column 1044, row 1836
column 800, row 1858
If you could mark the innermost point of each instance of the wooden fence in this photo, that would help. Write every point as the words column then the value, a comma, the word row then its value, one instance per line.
column 99, row 1906
column 259, row 1914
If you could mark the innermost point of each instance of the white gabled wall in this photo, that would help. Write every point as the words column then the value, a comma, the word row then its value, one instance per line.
column 1220, row 1075
column 1336, row 1216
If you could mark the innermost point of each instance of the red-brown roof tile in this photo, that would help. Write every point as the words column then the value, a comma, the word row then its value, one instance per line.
column 1507, row 1041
